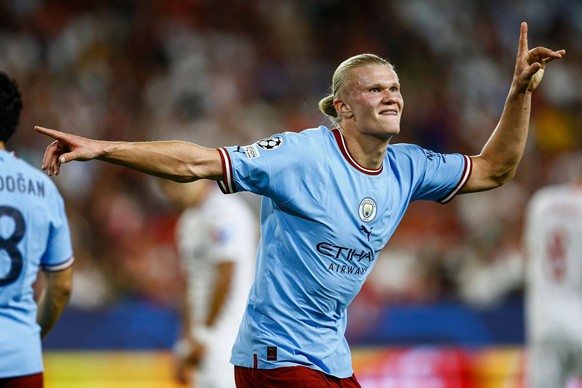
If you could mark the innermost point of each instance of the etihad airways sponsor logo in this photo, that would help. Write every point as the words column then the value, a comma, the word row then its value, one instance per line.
column 351, row 261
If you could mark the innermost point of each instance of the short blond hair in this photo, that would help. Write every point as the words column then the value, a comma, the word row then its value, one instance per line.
column 341, row 77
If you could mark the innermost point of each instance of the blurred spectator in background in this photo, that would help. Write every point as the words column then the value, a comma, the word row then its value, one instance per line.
column 554, row 283
column 216, row 237
column 34, row 233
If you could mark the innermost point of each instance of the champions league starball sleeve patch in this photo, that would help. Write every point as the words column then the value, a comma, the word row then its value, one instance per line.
column 270, row 143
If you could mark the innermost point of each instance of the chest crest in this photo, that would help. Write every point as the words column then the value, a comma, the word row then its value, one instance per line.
column 367, row 209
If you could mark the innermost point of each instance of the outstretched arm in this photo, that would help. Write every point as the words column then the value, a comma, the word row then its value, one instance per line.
column 176, row 160
column 499, row 158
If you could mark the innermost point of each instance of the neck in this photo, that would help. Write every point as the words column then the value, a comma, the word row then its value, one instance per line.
column 367, row 151
column 2, row 146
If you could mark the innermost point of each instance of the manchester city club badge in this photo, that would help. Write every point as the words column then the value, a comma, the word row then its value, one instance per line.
column 367, row 209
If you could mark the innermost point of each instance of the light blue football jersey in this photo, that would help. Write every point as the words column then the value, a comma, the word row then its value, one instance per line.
column 34, row 233
column 324, row 219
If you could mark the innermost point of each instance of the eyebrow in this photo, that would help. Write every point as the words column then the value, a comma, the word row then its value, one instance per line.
column 382, row 84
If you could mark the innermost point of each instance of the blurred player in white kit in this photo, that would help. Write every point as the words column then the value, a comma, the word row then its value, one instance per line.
column 553, row 243
column 216, row 236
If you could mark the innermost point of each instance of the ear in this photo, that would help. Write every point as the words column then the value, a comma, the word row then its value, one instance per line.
column 343, row 109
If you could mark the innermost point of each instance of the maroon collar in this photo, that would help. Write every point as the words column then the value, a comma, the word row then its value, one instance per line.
column 346, row 153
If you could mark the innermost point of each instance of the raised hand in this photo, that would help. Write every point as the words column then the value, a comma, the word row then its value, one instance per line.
column 530, row 64
column 65, row 148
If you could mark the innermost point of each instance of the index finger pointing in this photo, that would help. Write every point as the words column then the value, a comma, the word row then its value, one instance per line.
column 523, row 38
column 46, row 131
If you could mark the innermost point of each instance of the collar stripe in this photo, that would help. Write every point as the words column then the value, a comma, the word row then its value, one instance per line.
column 346, row 153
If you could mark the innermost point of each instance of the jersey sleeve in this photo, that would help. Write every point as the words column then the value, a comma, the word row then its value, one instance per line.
column 272, row 167
column 436, row 176
column 59, row 252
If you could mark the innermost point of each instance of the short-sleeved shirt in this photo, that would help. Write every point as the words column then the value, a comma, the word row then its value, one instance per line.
column 554, row 270
column 34, row 233
column 324, row 219
column 221, row 229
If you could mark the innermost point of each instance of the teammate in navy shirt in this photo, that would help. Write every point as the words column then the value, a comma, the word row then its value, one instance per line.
column 331, row 200
column 34, row 233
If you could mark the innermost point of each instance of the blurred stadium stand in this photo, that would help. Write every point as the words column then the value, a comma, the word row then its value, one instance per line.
column 140, row 325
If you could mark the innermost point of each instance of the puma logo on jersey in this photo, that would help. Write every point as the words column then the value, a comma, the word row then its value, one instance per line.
column 368, row 232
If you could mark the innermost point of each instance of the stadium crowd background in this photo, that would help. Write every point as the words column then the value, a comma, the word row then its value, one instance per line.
column 232, row 72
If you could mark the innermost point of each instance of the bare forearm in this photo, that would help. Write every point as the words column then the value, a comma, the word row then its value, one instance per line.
column 175, row 160
column 219, row 294
column 500, row 157
column 54, row 299
column 504, row 149
column 49, row 311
